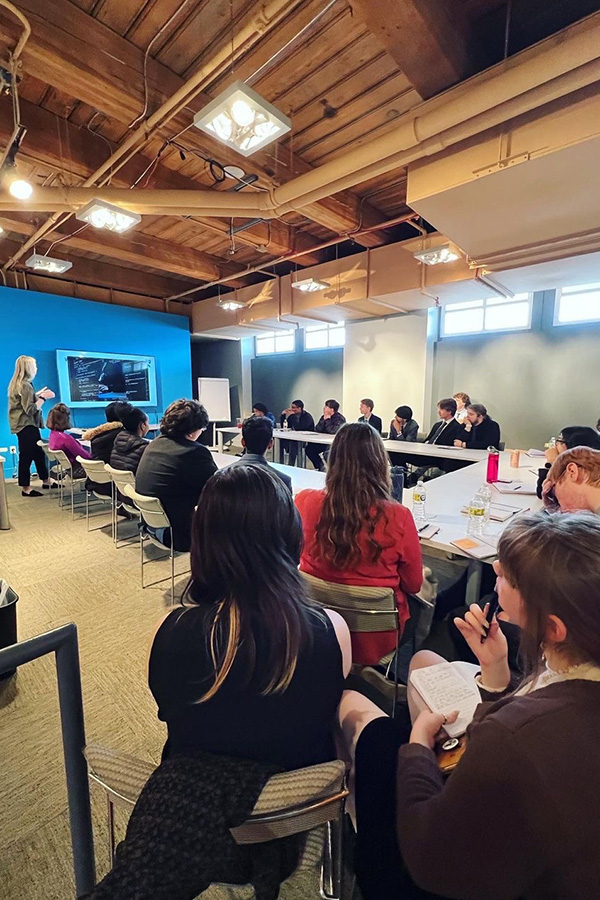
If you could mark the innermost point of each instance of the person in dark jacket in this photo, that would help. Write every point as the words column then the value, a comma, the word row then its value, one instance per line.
column 330, row 423
column 257, row 438
column 130, row 441
column 259, row 409
column 103, row 436
column 572, row 436
column 297, row 420
column 479, row 431
column 403, row 427
column 366, row 409
column 444, row 433
column 175, row 467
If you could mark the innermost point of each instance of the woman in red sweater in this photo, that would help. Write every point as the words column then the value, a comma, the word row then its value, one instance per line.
column 354, row 533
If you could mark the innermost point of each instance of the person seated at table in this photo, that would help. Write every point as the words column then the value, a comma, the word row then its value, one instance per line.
column 520, row 780
column 366, row 409
column 462, row 402
column 175, row 467
column 248, row 667
column 130, row 443
column 330, row 423
column 572, row 436
column 59, row 422
column 444, row 433
column 354, row 533
column 297, row 420
column 259, row 409
column 403, row 427
column 102, row 437
column 257, row 438
column 573, row 482
column 479, row 430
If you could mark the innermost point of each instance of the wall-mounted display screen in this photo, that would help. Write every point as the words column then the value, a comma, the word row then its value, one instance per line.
column 87, row 378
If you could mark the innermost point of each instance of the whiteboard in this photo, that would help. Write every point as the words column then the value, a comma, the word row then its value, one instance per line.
column 213, row 394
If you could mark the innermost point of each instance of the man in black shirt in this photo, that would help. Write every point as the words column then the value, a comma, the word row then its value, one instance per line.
column 479, row 431
column 443, row 434
column 330, row 423
column 257, row 438
column 298, row 420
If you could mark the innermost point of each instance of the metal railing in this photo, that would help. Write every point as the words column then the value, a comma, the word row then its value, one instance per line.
column 63, row 643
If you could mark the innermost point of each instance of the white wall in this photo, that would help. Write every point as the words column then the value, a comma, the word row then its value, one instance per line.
column 385, row 359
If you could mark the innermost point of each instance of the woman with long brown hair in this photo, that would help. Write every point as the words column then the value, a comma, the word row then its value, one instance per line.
column 247, row 667
column 354, row 533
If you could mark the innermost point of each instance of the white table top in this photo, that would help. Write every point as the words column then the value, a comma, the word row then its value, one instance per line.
column 448, row 494
column 301, row 478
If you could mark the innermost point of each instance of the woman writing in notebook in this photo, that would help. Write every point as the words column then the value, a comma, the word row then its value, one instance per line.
column 518, row 816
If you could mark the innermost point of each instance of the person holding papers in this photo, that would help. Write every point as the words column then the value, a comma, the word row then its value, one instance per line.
column 518, row 816
column 25, row 419
column 479, row 430
column 297, row 420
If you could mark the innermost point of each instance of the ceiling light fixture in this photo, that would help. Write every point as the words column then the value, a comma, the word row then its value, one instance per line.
column 436, row 255
column 309, row 285
column 101, row 214
column 49, row 264
column 242, row 119
column 230, row 305
column 18, row 187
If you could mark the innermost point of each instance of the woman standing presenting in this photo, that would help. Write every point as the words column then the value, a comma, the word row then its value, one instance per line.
column 25, row 418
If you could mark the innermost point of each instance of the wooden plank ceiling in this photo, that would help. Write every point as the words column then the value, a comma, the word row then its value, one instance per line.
column 340, row 76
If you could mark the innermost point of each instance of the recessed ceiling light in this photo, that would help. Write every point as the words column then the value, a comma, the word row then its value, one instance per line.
column 436, row 255
column 48, row 264
column 242, row 119
column 309, row 285
column 101, row 214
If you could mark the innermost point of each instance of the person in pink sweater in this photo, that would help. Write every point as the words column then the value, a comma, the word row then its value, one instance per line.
column 59, row 421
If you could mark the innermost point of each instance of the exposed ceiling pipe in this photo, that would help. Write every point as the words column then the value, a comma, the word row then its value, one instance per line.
column 14, row 56
column 247, row 33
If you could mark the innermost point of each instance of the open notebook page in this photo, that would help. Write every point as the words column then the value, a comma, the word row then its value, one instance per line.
column 445, row 688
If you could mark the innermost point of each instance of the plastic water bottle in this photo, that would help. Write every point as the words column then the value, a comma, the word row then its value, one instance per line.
column 418, row 504
column 476, row 515
column 285, row 425
column 485, row 492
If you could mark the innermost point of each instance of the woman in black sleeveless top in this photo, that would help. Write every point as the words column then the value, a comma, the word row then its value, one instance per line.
column 247, row 667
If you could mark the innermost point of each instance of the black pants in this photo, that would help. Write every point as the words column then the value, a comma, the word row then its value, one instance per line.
column 29, row 452
column 313, row 451
column 291, row 448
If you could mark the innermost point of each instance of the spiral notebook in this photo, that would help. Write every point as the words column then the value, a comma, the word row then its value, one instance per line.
column 446, row 687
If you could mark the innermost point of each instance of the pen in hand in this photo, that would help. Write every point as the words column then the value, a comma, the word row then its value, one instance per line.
column 491, row 612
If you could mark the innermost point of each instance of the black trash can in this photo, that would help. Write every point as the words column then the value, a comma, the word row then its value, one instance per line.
column 8, row 620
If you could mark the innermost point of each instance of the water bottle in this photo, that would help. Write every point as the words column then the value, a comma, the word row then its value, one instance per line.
column 485, row 492
column 418, row 505
column 492, row 465
column 476, row 516
column 285, row 425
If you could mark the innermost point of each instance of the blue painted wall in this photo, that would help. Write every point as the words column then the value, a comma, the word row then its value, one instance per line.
column 38, row 325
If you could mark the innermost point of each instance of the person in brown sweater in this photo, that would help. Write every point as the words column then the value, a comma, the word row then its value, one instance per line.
column 518, row 817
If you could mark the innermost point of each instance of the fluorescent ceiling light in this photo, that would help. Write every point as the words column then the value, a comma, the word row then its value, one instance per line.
column 309, row 285
column 48, row 264
column 230, row 305
column 242, row 119
column 105, row 215
column 436, row 255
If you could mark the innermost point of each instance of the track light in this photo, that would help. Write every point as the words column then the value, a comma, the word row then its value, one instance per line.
column 436, row 255
column 310, row 285
column 105, row 215
column 49, row 264
column 242, row 119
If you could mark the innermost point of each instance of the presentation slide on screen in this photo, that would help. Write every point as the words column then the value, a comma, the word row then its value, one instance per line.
column 90, row 379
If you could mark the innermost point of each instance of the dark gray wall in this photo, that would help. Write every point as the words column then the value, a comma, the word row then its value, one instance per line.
column 312, row 376
column 219, row 359
column 534, row 383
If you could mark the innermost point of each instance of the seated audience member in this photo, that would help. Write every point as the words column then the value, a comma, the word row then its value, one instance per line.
column 175, row 467
column 447, row 430
column 59, row 421
column 462, row 402
column 403, row 427
column 102, row 437
column 257, row 438
column 354, row 533
column 479, row 430
column 572, row 436
column 573, row 482
column 518, row 778
column 248, row 667
column 366, row 408
column 259, row 409
column 129, row 443
column 330, row 423
column 298, row 420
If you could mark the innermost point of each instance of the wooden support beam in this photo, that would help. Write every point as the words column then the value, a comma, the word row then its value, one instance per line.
column 431, row 40
column 84, row 58
column 104, row 275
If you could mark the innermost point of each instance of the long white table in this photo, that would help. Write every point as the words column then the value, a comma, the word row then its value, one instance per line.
column 301, row 478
